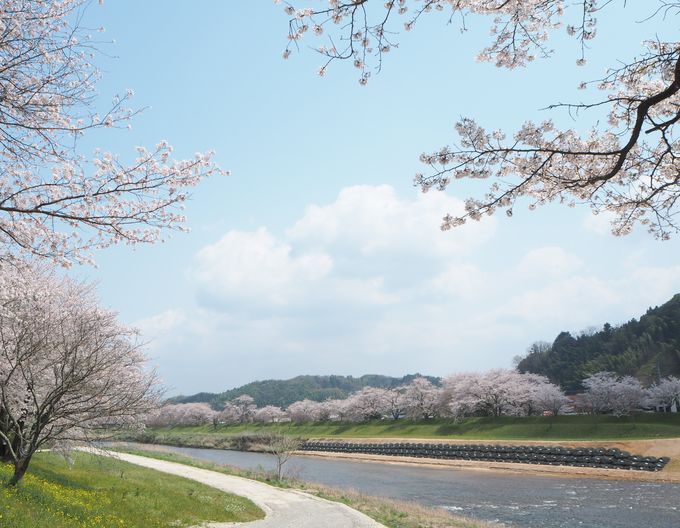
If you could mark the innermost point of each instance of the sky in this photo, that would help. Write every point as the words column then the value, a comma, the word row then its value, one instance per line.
column 318, row 255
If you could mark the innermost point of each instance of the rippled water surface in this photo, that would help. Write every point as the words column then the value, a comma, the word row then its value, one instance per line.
column 522, row 501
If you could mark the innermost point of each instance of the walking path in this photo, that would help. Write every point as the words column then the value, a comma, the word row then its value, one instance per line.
column 283, row 508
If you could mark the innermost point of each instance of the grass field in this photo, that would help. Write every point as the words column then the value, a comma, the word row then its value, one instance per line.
column 573, row 427
column 97, row 492
column 391, row 513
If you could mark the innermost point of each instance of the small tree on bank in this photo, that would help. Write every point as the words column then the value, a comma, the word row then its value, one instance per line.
column 283, row 447
column 67, row 367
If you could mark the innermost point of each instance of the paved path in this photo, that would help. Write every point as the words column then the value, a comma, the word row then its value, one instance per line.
column 283, row 508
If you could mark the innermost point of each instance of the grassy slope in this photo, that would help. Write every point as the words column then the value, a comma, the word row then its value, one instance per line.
column 391, row 513
column 99, row 492
column 578, row 427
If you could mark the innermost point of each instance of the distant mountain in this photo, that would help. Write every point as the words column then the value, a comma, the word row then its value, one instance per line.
column 284, row 392
column 648, row 348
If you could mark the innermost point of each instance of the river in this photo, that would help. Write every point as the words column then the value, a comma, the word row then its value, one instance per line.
column 515, row 500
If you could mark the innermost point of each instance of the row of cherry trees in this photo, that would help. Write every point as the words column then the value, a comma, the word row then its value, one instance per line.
column 607, row 393
column 493, row 393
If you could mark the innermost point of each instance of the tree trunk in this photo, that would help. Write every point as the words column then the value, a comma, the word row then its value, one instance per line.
column 20, row 468
column 5, row 455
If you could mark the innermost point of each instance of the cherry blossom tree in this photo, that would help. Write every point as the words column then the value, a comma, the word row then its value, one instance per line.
column 608, row 393
column 230, row 414
column 268, row 414
column 370, row 403
column 422, row 399
column 57, row 201
column 629, row 396
column 600, row 392
column 626, row 164
column 195, row 414
column 303, row 411
column 395, row 402
column 246, row 407
column 334, row 409
column 67, row 367
column 500, row 392
column 186, row 414
column 666, row 392
column 550, row 398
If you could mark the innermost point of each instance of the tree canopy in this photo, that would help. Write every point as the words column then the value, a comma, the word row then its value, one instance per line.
column 648, row 348
column 67, row 367
column 626, row 165
column 57, row 201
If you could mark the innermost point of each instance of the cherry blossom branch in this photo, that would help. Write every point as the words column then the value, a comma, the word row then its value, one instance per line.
column 56, row 202
column 613, row 167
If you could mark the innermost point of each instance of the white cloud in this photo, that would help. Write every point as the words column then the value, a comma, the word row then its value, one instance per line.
column 368, row 283
column 373, row 220
column 257, row 267
column 551, row 261
column 160, row 323
column 569, row 302
column 460, row 281
column 651, row 284
column 599, row 224
column 349, row 252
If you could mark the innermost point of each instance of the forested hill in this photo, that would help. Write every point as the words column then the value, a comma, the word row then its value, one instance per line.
column 284, row 392
column 646, row 349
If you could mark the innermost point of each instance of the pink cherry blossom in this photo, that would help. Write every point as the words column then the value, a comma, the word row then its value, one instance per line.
column 56, row 201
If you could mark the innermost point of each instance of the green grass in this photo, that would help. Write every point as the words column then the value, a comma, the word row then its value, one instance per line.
column 389, row 512
column 99, row 492
column 576, row 427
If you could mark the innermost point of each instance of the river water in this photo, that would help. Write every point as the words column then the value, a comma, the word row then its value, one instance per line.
column 515, row 500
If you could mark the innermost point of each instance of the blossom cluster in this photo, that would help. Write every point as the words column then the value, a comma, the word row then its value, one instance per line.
column 362, row 31
column 56, row 201
column 626, row 165
column 67, row 367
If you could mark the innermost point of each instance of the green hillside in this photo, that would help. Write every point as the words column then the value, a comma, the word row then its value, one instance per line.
column 284, row 392
column 647, row 348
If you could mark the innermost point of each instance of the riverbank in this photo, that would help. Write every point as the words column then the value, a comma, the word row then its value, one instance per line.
column 389, row 512
column 533, row 428
column 284, row 508
column 91, row 492
column 657, row 448
column 647, row 434
column 526, row 500
column 665, row 447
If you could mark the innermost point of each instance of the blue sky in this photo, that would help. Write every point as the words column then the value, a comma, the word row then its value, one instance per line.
column 318, row 256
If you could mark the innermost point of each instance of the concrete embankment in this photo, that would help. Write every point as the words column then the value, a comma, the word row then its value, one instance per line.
column 668, row 447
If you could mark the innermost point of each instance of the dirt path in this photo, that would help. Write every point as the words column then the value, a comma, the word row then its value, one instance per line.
column 283, row 508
